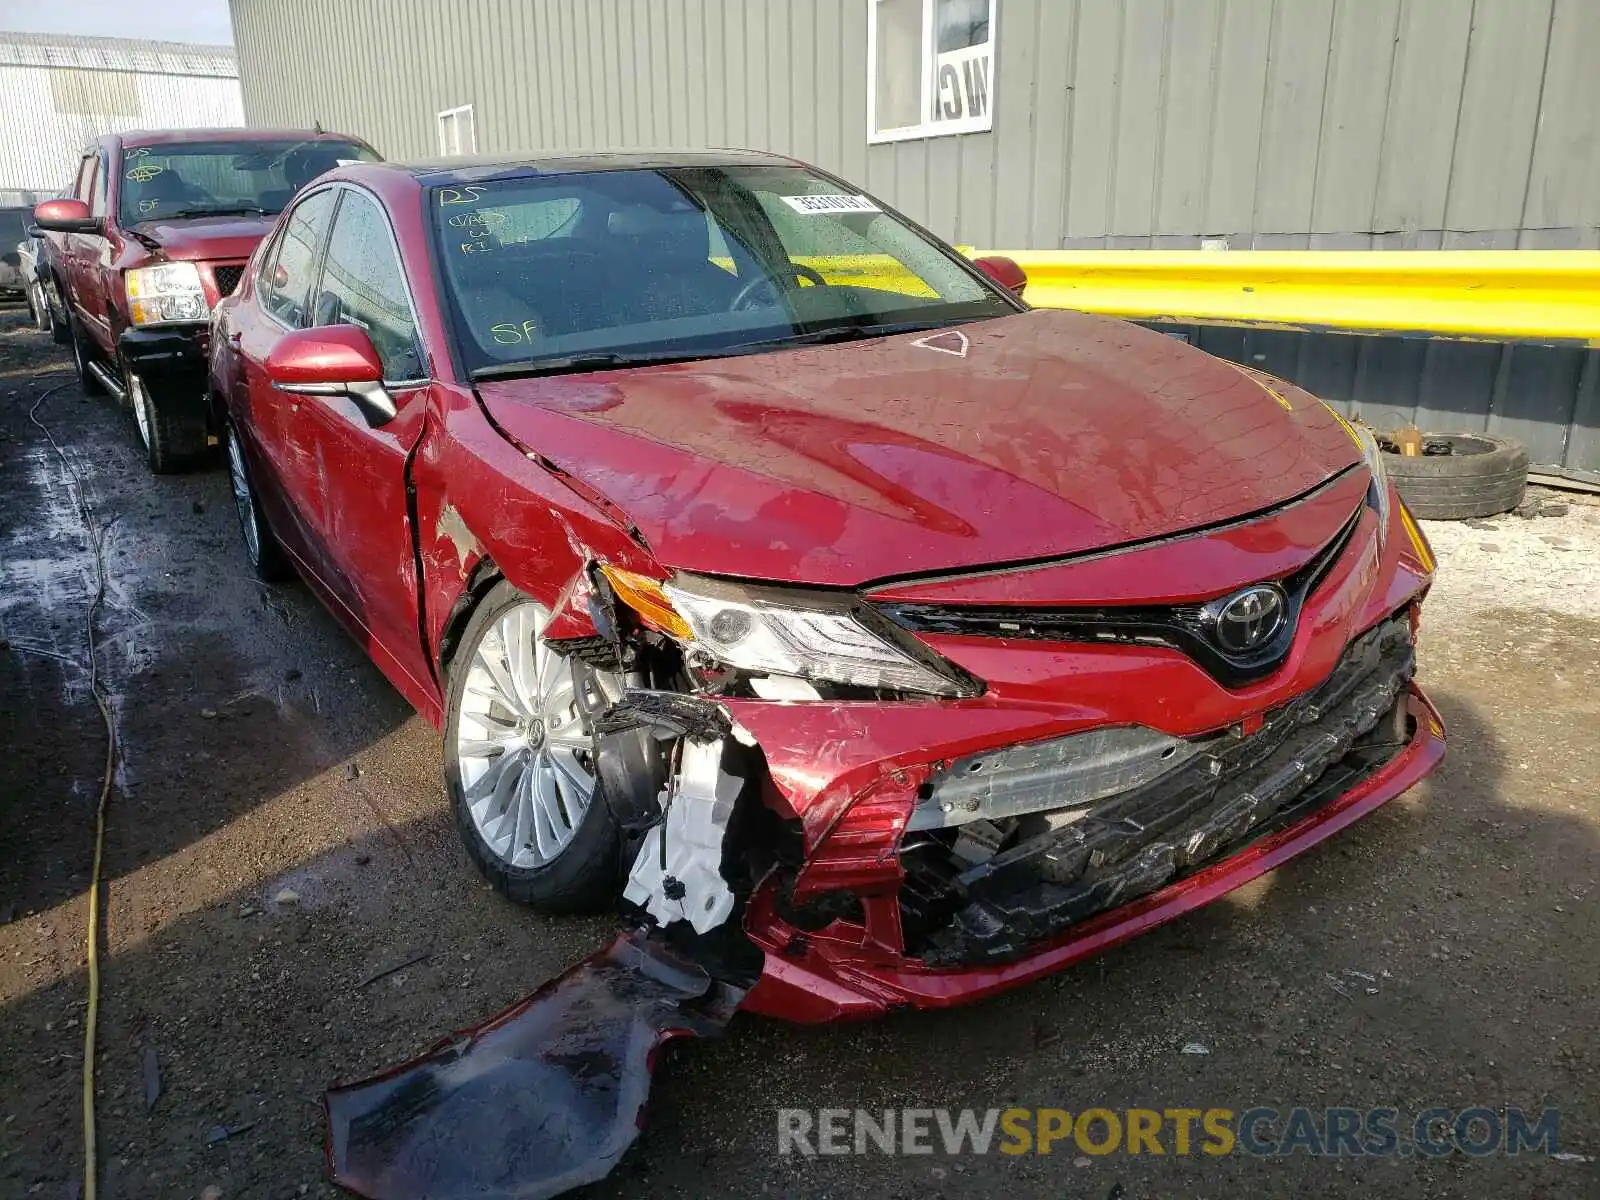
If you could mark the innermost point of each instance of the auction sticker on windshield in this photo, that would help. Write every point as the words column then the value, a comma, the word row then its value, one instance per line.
column 830, row 204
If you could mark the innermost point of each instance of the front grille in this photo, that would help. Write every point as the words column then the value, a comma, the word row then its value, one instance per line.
column 227, row 279
column 1181, row 627
column 958, row 907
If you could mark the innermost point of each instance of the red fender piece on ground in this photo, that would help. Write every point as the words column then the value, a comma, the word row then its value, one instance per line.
column 545, row 1097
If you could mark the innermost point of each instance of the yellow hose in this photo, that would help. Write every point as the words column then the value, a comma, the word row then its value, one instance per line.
column 92, row 1019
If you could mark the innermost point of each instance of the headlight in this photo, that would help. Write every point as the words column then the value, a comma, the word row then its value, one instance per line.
column 1378, row 495
column 169, row 292
column 783, row 631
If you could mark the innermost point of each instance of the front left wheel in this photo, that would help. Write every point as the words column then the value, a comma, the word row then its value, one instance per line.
column 173, row 432
column 520, row 760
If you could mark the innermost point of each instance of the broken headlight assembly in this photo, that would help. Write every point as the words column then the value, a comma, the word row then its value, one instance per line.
column 817, row 636
column 164, row 294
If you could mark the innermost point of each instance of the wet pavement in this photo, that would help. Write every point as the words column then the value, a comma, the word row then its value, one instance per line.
column 287, row 905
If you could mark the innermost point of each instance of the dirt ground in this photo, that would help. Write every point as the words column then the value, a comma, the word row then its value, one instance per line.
column 279, row 839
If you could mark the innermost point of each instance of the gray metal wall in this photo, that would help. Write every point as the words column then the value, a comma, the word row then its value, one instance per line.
column 1284, row 123
column 1120, row 123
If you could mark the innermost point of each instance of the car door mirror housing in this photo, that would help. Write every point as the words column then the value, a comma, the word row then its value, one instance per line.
column 332, row 360
column 66, row 216
column 1003, row 271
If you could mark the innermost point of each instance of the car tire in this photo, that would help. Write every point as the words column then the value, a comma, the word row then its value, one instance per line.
column 511, row 830
column 173, row 439
column 261, row 548
column 1460, row 475
column 81, row 352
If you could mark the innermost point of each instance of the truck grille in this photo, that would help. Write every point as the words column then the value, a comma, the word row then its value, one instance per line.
column 227, row 278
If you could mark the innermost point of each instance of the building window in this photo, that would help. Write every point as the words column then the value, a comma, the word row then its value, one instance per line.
column 458, row 131
column 930, row 68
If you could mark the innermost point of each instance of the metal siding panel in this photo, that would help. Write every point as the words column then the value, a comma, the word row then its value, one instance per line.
column 976, row 179
column 912, row 168
column 757, row 104
column 939, row 206
column 1246, row 33
column 853, row 94
column 1017, row 66
column 1420, row 134
column 1564, row 178
column 1096, row 76
column 828, row 68
column 1052, row 116
column 780, row 122
column 1583, row 435
column 1499, row 113
column 1360, row 67
column 696, row 68
column 1297, row 79
column 1537, row 402
column 1141, row 92
column 1457, row 387
column 1185, row 152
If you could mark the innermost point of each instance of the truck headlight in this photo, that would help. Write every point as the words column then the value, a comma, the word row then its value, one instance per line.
column 165, row 293
column 787, row 631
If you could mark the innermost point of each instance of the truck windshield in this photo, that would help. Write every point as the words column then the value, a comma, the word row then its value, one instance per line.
column 583, row 270
column 193, row 179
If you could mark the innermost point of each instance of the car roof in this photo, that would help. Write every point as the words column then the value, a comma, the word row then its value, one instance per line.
column 135, row 138
column 478, row 167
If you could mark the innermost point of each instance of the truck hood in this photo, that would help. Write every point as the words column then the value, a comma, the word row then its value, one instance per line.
column 206, row 239
column 1024, row 437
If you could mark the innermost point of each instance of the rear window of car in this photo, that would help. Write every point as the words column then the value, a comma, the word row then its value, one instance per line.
column 196, row 179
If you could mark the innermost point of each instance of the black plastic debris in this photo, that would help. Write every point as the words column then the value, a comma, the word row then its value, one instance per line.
column 543, row 1098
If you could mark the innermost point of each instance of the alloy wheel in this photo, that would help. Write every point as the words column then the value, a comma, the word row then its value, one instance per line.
column 141, row 408
column 525, row 756
column 242, row 499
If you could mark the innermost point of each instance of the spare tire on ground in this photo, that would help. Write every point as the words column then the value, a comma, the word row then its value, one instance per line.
column 1459, row 475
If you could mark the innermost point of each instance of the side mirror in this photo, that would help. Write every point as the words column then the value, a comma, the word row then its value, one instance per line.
column 1003, row 271
column 332, row 360
column 66, row 216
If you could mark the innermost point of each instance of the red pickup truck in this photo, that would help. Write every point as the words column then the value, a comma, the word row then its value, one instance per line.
column 154, row 231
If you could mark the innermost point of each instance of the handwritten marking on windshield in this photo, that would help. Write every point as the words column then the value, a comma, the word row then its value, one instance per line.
column 470, row 194
column 509, row 333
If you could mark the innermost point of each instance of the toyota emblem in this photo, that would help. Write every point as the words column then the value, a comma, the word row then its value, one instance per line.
column 1248, row 620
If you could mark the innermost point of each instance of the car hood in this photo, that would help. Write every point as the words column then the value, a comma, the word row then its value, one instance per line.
column 199, row 239
column 1024, row 437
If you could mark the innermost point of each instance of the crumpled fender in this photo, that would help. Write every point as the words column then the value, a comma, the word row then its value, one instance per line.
column 543, row 1098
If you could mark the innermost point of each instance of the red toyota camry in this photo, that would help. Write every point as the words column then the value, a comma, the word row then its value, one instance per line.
column 773, row 569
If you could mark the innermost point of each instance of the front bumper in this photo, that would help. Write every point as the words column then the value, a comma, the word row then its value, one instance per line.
column 811, row 977
column 171, row 360
column 853, row 930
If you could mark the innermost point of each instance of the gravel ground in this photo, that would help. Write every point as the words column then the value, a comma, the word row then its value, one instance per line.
column 279, row 840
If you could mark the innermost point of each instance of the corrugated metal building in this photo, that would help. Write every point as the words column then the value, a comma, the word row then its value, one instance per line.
column 1050, row 123
column 58, row 93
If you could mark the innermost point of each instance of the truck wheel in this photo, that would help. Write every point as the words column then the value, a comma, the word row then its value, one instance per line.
column 87, row 379
column 60, row 328
column 519, row 761
column 38, row 306
column 173, row 433
column 1460, row 475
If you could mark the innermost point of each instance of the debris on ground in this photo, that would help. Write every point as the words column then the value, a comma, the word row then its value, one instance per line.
column 151, row 1069
column 566, row 1073
column 286, row 896
column 1195, row 1048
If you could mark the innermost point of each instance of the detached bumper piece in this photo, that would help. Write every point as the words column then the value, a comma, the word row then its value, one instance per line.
column 989, row 891
column 544, row 1098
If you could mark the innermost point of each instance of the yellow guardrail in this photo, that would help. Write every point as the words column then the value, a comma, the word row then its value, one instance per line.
column 1481, row 295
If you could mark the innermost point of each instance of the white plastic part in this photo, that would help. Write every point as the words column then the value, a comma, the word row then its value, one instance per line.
column 698, row 803
column 783, row 687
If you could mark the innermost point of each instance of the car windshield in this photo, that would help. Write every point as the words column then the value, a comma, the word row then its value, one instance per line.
column 193, row 179
column 604, row 268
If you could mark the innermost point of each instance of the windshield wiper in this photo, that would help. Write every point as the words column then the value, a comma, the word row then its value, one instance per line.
column 232, row 211
column 576, row 364
column 834, row 333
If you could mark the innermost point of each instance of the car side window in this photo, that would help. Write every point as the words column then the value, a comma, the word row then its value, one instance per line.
column 363, row 284
column 97, row 188
column 287, row 272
